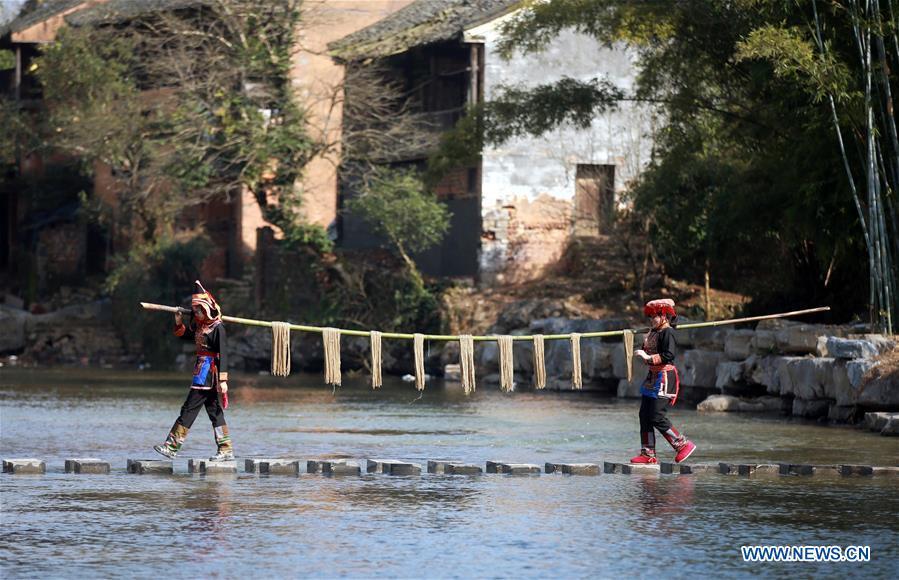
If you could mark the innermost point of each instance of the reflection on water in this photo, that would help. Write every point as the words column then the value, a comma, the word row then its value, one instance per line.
column 445, row 526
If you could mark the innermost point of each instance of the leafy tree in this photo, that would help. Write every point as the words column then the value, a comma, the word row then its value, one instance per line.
column 746, row 177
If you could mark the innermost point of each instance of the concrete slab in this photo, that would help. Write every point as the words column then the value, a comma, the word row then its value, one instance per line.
column 24, row 466
column 748, row 469
column 251, row 465
column 573, row 468
column 87, row 465
column 806, row 469
column 454, row 468
column 340, row 467
column 280, row 467
column 206, row 467
column 143, row 466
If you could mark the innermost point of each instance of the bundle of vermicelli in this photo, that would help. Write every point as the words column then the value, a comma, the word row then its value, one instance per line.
column 539, row 364
column 418, row 348
column 576, row 382
column 376, row 380
column 331, row 340
column 466, row 363
column 628, row 338
column 280, row 349
column 506, row 372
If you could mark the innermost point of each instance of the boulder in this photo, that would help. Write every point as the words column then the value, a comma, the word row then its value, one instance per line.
column 13, row 322
column 799, row 339
column 738, row 344
column 764, row 342
column 766, row 371
column 841, row 413
column 708, row 338
column 727, row 403
column 806, row 377
column 880, row 393
column 857, row 348
column 729, row 374
column 700, row 368
column 810, row 409
column 856, row 370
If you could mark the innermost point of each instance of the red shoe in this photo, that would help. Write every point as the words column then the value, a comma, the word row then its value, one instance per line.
column 644, row 458
column 685, row 451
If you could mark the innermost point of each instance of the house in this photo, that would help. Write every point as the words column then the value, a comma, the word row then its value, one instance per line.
column 232, row 223
column 519, row 206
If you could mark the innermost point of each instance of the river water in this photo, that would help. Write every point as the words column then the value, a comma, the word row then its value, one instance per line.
column 122, row 525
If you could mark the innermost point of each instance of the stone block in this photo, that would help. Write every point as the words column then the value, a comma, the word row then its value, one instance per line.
column 630, row 468
column 764, row 342
column 876, row 421
column 86, row 466
column 849, row 470
column 799, row 338
column 573, row 468
column 13, row 321
column 207, row 467
column 708, row 338
column 619, row 363
column 765, row 371
column 697, row 468
column 738, row 344
column 700, row 368
column 892, row 426
column 728, row 403
column 454, row 468
column 807, row 378
column 340, row 467
column 392, row 467
column 729, row 374
column 880, row 393
column 669, row 468
column 512, row 468
column 143, row 466
column 857, row 348
column 280, row 467
column 748, row 469
column 840, row 413
column 24, row 466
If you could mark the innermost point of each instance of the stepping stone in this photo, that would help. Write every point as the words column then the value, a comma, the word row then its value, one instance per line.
column 150, row 466
column 630, row 468
column 204, row 466
column 24, row 466
column 747, row 469
column 688, row 468
column 318, row 465
column 279, row 467
column 573, row 468
column 392, row 467
column 454, row 468
column 86, row 466
column 513, row 468
column 804, row 469
column 340, row 467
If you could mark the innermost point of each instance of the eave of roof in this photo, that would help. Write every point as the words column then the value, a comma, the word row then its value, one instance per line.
column 420, row 23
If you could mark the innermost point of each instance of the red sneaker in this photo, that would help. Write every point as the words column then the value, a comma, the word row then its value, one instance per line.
column 644, row 458
column 685, row 451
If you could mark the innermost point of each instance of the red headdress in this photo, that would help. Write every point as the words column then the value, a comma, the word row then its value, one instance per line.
column 661, row 306
column 204, row 299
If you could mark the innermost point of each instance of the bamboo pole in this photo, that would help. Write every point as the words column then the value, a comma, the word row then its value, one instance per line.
column 409, row 336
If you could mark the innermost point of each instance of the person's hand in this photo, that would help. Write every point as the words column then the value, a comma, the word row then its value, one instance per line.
column 642, row 354
column 224, row 385
column 179, row 318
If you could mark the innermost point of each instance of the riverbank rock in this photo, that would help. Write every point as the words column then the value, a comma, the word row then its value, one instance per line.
column 738, row 344
column 13, row 322
column 867, row 347
column 700, row 368
column 728, row 403
column 884, row 423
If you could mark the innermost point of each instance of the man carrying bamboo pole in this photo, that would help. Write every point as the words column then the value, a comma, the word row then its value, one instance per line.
column 210, row 378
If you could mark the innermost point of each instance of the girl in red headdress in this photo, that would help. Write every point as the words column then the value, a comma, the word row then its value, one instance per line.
column 207, row 331
column 662, row 384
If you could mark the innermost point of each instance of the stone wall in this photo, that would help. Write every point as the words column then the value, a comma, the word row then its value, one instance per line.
column 806, row 370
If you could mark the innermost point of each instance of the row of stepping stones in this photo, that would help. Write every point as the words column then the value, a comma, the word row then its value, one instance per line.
column 394, row 467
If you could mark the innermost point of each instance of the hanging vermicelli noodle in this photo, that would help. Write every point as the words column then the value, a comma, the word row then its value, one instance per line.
column 466, row 362
column 376, row 380
column 331, row 340
column 628, row 338
column 576, row 380
column 539, row 363
column 280, row 349
column 418, row 348
column 506, row 370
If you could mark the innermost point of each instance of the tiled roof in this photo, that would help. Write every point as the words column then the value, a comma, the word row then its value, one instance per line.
column 119, row 10
column 421, row 22
column 46, row 10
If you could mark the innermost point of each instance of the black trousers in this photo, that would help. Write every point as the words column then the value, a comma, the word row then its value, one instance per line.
column 654, row 413
column 197, row 398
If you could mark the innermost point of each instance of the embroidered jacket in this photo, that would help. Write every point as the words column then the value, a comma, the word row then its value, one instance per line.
column 212, row 357
column 662, row 380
